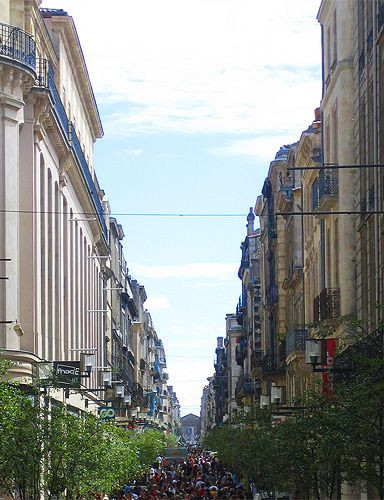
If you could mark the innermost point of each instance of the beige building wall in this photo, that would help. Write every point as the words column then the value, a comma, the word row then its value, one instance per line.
column 54, row 291
column 336, row 19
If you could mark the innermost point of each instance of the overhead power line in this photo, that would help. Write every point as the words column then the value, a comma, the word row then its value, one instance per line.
column 126, row 214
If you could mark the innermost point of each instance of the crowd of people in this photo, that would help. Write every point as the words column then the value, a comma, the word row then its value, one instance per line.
column 198, row 476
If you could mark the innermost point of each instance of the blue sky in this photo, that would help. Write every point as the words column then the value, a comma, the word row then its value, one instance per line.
column 196, row 97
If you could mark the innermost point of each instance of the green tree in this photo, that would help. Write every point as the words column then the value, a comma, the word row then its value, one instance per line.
column 20, row 438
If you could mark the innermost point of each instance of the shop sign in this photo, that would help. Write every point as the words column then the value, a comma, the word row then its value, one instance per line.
column 106, row 413
column 67, row 373
column 327, row 374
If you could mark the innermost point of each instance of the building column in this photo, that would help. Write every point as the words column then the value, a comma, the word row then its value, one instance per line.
column 27, row 183
column 11, row 109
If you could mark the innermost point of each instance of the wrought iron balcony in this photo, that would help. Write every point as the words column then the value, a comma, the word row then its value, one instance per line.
column 328, row 183
column 295, row 341
column 326, row 305
column 244, row 386
column 256, row 358
column 241, row 351
column 269, row 363
column 138, row 391
column 17, row 46
column 88, row 178
column 45, row 80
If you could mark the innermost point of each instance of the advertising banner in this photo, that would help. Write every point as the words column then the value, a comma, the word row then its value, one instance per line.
column 327, row 375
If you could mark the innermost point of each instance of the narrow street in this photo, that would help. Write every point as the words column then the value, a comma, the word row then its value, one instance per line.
column 200, row 475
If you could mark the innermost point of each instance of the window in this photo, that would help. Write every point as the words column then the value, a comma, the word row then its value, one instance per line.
column 335, row 124
column 315, row 194
column 328, row 52
column 334, row 41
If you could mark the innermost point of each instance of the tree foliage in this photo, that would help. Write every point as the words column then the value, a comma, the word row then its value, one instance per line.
column 336, row 437
column 48, row 448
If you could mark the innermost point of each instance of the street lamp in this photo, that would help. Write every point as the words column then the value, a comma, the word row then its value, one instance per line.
column 106, row 378
column 87, row 362
column 119, row 391
column 276, row 394
column 313, row 351
column 265, row 401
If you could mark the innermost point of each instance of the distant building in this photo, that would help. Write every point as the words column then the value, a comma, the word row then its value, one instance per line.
column 190, row 428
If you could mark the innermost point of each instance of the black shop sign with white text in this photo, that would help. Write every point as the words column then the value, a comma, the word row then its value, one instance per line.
column 67, row 373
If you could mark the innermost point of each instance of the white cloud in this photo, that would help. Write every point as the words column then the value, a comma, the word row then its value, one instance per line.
column 263, row 147
column 215, row 284
column 133, row 152
column 201, row 66
column 218, row 270
column 156, row 303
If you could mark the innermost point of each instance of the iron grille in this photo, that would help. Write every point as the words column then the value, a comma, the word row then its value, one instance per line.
column 295, row 340
column 329, row 303
column 57, row 103
column 328, row 182
column 42, row 68
column 256, row 358
column 18, row 45
column 87, row 177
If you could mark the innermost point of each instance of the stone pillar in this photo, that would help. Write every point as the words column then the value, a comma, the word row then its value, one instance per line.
column 347, row 232
column 27, row 195
column 11, row 112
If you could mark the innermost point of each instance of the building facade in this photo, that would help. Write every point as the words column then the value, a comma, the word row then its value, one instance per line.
column 65, row 295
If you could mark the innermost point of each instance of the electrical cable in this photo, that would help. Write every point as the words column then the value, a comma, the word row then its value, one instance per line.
column 124, row 214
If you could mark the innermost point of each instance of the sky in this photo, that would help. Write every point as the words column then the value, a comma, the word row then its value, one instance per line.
column 196, row 97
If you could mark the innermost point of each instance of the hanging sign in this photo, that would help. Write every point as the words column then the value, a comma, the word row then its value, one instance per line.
column 327, row 375
column 67, row 373
column 106, row 413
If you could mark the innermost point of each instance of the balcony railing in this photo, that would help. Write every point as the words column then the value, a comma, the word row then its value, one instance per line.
column 295, row 340
column 88, row 178
column 17, row 45
column 138, row 392
column 326, row 305
column 244, row 386
column 45, row 79
column 256, row 358
column 241, row 351
column 271, row 365
column 328, row 183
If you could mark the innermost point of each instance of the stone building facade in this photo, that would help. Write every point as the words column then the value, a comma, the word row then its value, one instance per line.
column 66, row 293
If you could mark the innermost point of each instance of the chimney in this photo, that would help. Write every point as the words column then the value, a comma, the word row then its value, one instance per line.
column 250, row 222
